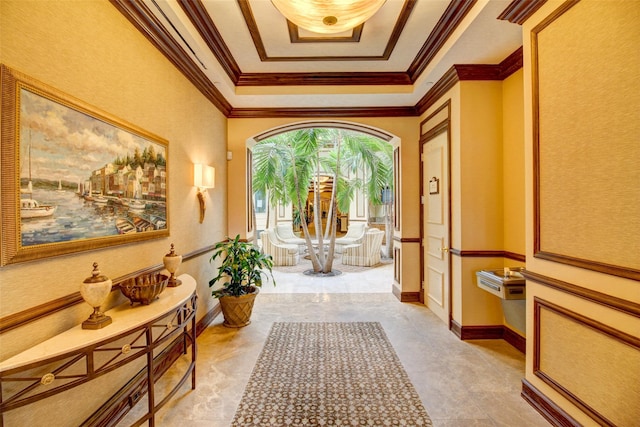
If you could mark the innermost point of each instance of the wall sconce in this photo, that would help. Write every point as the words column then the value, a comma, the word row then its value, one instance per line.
column 204, row 177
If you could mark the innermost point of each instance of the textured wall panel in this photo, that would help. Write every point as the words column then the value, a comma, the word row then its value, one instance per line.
column 574, row 353
column 587, row 133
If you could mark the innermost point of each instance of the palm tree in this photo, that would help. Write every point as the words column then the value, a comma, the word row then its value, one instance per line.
column 375, row 158
column 284, row 166
column 269, row 173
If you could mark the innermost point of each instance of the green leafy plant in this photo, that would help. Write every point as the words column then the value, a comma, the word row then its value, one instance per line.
column 241, row 269
column 291, row 167
column 296, row 219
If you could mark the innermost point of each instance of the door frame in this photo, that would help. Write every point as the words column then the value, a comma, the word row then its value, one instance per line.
column 435, row 130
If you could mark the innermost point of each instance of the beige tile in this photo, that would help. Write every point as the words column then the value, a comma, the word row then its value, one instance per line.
column 462, row 422
column 460, row 383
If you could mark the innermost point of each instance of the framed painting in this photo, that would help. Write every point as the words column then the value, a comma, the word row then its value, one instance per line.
column 74, row 178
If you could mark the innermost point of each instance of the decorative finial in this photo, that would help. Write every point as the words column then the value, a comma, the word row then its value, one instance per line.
column 171, row 252
column 171, row 262
column 94, row 291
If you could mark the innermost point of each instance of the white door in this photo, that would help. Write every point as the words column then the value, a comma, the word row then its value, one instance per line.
column 435, row 227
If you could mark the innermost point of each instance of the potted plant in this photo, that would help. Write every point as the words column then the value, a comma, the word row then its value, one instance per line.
column 240, row 273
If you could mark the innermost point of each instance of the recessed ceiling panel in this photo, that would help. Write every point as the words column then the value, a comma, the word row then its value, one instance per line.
column 244, row 50
column 389, row 41
column 376, row 32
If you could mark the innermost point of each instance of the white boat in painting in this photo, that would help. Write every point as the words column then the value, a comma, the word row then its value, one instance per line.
column 30, row 208
column 60, row 185
column 135, row 205
column 100, row 199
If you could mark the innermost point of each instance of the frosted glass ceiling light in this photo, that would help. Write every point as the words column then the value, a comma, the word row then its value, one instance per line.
column 328, row 16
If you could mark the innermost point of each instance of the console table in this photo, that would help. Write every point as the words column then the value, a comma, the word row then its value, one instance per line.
column 78, row 355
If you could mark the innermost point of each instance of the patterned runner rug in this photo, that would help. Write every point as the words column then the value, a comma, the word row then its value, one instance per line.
column 329, row 374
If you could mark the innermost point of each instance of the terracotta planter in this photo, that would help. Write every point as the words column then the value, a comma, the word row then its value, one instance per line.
column 237, row 310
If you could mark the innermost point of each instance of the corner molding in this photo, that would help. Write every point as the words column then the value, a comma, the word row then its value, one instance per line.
column 405, row 296
column 490, row 332
column 625, row 306
column 547, row 408
column 519, row 11
column 489, row 254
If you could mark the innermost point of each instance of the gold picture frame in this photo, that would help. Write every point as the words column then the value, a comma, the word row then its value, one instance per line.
column 74, row 178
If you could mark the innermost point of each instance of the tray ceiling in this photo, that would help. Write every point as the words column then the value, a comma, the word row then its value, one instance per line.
column 246, row 55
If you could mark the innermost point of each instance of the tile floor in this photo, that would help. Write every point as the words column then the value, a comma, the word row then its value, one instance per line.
column 461, row 383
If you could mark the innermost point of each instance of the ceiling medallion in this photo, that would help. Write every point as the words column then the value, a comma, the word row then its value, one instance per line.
column 329, row 20
column 328, row 16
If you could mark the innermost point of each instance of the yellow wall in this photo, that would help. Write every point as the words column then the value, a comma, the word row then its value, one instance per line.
column 513, row 191
column 493, row 207
column 90, row 51
column 481, row 179
column 487, row 194
column 481, row 165
column 610, row 395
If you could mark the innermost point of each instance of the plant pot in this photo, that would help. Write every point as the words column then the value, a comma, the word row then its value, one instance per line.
column 237, row 310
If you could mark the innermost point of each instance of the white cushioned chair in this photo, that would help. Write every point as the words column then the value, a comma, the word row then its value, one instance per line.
column 285, row 235
column 282, row 253
column 354, row 235
column 366, row 253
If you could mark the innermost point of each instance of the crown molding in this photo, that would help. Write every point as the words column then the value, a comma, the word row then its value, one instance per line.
column 254, row 113
column 200, row 19
column 447, row 24
column 519, row 11
column 142, row 18
column 470, row 72
column 323, row 79
column 249, row 19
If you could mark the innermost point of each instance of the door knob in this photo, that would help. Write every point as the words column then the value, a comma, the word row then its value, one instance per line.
column 444, row 250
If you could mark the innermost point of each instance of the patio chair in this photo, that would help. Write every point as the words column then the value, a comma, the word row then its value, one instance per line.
column 285, row 235
column 354, row 235
column 282, row 253
column 366, row 253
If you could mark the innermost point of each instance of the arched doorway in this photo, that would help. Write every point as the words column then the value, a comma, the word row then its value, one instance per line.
column 360, row 209
column 365, row 187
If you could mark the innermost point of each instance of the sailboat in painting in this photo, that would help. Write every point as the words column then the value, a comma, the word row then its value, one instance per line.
column 29, row 207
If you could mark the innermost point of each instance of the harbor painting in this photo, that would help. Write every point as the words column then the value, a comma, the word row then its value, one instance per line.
column 86, row 180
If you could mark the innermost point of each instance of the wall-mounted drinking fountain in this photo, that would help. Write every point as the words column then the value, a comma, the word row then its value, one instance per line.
column 506, row 283
column 509, row 285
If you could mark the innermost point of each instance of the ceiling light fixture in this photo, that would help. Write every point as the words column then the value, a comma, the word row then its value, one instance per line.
column 328, row 16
